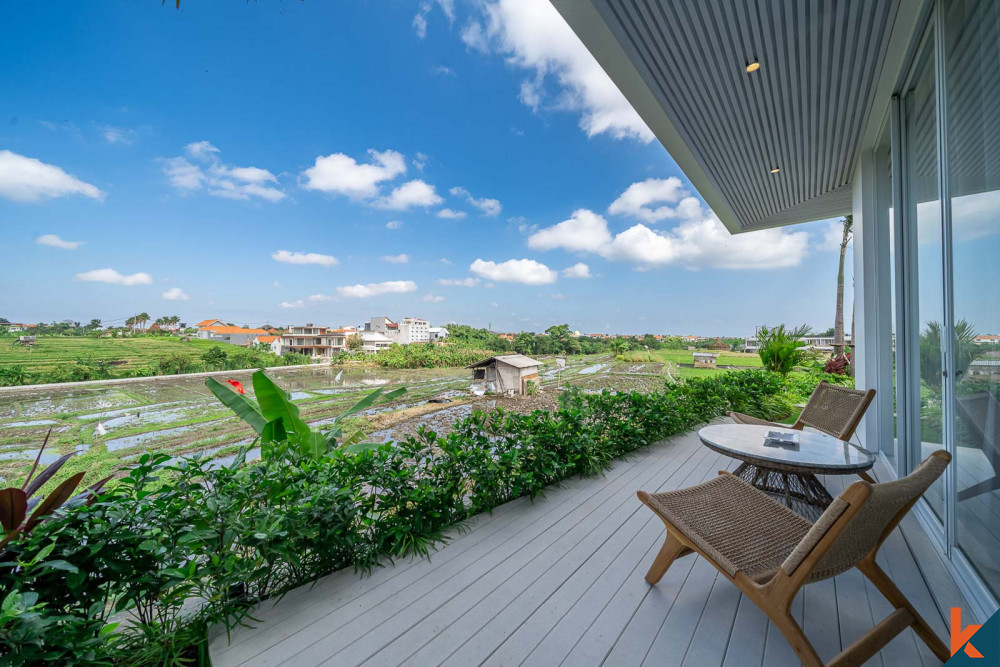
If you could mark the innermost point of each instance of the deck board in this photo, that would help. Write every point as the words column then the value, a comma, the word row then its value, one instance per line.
column 560, row 581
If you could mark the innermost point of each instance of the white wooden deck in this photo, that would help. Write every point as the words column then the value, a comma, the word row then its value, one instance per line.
column 560, row 581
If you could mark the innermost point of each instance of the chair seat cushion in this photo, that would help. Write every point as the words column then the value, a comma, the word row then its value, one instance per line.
column 741, row 528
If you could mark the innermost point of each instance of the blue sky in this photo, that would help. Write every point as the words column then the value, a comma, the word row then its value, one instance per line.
column 275, row 162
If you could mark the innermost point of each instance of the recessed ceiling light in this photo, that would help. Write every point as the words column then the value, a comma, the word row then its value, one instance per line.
column 776, row 170
column 754, row 66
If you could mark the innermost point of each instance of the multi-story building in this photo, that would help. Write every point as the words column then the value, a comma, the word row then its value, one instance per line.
column 316, row 341
column 413, row 330
column 231, row 335
column 437, row 334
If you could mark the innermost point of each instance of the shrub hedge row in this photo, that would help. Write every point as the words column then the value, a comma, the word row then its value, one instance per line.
column 183, row 545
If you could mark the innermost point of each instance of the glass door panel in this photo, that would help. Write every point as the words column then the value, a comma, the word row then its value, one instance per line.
column 925, row 274
column 972, row 57
column 886, row 219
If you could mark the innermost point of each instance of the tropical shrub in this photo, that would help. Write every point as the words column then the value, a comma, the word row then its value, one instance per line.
column 184, row 544
column 780, row 350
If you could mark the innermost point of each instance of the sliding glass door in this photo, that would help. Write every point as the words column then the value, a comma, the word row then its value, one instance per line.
column 972, row 58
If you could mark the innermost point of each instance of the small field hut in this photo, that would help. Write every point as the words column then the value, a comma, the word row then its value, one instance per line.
column 705, row 360
column 507, row 374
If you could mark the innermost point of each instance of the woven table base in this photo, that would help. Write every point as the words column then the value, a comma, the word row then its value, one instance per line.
column 802, row 493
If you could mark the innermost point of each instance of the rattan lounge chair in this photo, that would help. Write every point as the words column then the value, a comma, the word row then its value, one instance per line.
column 831, row 409
column 770, row 552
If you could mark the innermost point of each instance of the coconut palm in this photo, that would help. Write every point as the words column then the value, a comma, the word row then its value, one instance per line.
column 838, row 320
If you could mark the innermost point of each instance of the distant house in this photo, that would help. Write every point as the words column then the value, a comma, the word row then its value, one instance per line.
column 14, row 327
column 986, row 339
column 507, row 374
column 204, row 324
column 373, row 341
column 273, row 342
column 437, row 334
column 318, row 342
column 705, row 360
column 231, row 335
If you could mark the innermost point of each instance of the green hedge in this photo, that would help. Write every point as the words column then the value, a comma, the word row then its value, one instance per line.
column 171, row 532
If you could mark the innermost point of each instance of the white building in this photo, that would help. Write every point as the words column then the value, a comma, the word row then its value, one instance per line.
column 318, row 342
column 821, row 343
column 373, row 341
column 413, row 330
column 437, row 334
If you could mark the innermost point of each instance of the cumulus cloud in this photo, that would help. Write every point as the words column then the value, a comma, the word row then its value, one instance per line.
column 343, row 175
column 54, row 241
column 402, row 258
column 578, row 270
column 112, row 277
column 175, row 294
column 303, row 258
column 637, row 199
column 377, row 289
column 561, row 72
column 584, row 231
column 526, row 271
column 25, row 179
column 292, row 304
column 420, row 20
column 408, row 195
column 489, row 207
column 394, row 224
column 458, row 282
column 433, row 298
column 698, row 241
column 420, row 24
column 450, row 214
column 319, row 298
column 218, row 178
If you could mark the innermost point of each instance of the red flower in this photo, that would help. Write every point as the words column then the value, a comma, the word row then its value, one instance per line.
column 237, row 385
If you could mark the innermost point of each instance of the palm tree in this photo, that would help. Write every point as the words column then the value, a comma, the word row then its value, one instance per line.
column 838, row 319
column 143, row 318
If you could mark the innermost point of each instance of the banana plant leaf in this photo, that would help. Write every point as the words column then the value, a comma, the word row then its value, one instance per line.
column 370, row 400
column 275, row 403
column 244, row 408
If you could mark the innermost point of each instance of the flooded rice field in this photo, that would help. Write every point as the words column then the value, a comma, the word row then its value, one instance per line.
column 107, row 424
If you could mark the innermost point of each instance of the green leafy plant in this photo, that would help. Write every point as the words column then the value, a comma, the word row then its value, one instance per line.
column 275, row 418
column 780, row 350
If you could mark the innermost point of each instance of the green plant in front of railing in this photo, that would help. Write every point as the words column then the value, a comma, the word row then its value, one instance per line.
column 276, row 420
column 780, row 349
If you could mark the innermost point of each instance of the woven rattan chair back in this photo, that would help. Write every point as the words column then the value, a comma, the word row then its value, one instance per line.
column 865, row 531
column 836, row 410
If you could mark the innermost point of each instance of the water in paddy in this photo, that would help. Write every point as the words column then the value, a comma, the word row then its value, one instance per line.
column 112, row 423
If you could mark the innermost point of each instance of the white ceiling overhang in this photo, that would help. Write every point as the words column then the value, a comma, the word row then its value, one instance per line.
column 807, row 111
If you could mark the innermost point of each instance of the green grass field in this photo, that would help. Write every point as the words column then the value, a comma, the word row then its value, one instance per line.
column 52, row 351
column 687, row 357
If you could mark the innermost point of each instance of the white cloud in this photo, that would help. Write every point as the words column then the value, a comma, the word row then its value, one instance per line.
column 55, row 241
column 489, row 207
column 562, row 73
column 450, row 214
column 698, row 241
column 394, row 224
column 402, row 258
column 112, row 277
column 118, row 135
column 420, row 24
column 343, row 175
column 377, row 289
column 219, row 179
column 831, row 237
column 584, row 231
column 292, row 304
column 276, row 283
column 445, row 260
column 458, row 282
column 410, row 194
column 526, row 271
column 25, row 179
column 444, row 70
column 578, row 270
column 433, row 298
column 303, row 258
column 636, row 199
column 175, row 294
column 319, row 298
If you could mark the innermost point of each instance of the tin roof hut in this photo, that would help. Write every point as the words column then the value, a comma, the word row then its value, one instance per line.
column 506, row 373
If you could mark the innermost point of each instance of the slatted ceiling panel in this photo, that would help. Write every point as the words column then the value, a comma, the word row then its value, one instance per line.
column 803, row 111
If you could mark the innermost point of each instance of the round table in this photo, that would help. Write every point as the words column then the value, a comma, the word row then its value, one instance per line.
column 788, row 472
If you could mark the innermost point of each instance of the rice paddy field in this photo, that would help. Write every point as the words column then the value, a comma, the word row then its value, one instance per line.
column 107, row 424
column 139, row 352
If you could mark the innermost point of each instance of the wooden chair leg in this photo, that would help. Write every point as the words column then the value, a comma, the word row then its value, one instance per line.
column 795, row 637
column 868, row 478
column 671, row 550
column 896, row 598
